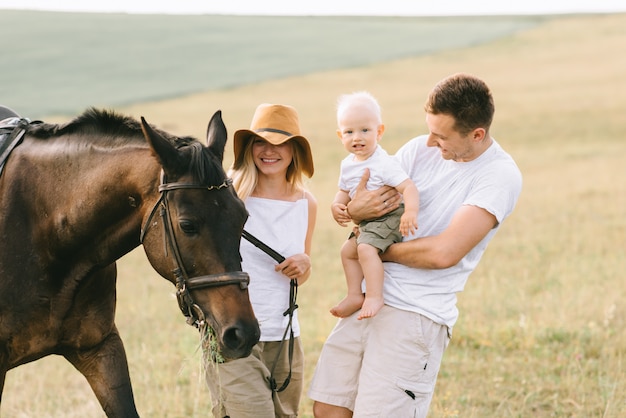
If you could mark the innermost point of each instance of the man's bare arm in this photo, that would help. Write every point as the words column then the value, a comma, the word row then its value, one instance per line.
column 468, row 227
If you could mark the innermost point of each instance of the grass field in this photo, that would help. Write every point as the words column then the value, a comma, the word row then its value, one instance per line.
column 541, row 327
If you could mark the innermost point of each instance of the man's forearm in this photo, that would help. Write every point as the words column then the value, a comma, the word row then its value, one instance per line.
column 418, row 253
column 467, row 228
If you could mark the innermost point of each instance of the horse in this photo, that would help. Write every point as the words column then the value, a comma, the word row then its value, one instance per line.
column 74, row 199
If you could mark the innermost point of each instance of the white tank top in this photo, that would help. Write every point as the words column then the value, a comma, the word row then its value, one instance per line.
column 282, row 225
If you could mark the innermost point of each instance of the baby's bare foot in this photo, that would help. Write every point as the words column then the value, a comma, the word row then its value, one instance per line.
column 349, row 305
column 371, row 306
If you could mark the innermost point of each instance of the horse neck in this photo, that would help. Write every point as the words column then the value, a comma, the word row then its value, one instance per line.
column 89, row 204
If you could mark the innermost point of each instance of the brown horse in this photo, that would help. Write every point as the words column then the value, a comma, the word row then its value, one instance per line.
column 76, row 197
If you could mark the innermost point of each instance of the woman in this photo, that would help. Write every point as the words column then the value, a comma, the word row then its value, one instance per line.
column 271, row 160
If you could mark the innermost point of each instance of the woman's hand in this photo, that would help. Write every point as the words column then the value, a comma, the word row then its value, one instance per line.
column 297, row 266
column 372, row 204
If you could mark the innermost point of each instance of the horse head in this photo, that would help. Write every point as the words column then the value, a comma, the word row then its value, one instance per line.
column 191, row 237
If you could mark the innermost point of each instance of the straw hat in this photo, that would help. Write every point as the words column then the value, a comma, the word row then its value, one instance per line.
column 276, row 124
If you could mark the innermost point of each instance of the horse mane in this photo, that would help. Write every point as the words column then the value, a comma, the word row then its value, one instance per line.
column 95, row 123
column 112, row 129
column 207, row 168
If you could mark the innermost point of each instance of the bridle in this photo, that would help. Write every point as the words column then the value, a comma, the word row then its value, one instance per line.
column 184, row 283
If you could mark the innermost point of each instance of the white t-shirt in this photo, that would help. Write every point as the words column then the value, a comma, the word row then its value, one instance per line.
column 492, row 182
column 282, row 226
column 384, row 171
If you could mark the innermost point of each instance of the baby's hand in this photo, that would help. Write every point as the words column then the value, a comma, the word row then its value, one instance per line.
column 408, row 223
column 340, row 213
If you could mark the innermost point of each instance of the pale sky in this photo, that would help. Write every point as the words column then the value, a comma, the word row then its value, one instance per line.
column 325, row 7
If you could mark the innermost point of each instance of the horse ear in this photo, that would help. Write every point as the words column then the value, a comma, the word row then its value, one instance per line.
column 162, row 147
column 216, row 135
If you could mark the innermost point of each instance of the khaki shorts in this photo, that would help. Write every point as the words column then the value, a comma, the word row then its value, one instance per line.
column 382, row 232
column 240, row 388
column 384, row 366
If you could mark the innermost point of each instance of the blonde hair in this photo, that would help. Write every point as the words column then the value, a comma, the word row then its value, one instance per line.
column 246, row 176
column 364, row 98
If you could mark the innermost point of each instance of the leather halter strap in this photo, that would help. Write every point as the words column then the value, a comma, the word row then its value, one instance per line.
column 166, row 187
column 293, row 295
column 184, row 283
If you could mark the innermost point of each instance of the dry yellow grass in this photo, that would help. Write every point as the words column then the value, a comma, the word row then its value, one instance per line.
column 540, row 332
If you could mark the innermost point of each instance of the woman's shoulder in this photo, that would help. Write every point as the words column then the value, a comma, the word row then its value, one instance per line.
column 308, row 195
column 311, row 200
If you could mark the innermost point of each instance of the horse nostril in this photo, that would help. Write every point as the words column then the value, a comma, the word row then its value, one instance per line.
column 233, row 338
column 240, row 339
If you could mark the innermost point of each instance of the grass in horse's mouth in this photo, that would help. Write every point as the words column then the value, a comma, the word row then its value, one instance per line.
column 210, row 346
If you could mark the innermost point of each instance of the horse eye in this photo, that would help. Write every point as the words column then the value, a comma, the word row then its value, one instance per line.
column 188, row 227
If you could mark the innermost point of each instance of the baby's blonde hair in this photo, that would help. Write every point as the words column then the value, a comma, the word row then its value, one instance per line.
column 359, row 97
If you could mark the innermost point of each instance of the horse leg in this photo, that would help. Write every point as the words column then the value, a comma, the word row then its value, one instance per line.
column 106, row 369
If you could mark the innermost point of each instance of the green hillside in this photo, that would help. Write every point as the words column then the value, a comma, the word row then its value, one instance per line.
column 60, row 63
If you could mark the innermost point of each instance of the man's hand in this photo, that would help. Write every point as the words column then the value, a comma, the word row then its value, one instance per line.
column 371, row 204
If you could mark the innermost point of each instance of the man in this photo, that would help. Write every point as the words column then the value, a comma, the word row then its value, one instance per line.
column 387, row 366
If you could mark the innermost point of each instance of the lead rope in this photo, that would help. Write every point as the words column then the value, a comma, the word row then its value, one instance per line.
column 293, row 295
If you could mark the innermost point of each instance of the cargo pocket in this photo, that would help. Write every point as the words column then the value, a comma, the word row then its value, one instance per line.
column 380, row 234
column 412, row 401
